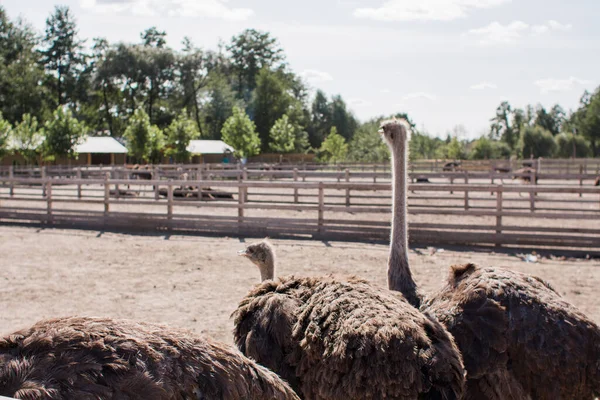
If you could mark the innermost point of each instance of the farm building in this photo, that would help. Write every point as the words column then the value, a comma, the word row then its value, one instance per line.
column 94, row 150
column 103, row 150
column 210, row 151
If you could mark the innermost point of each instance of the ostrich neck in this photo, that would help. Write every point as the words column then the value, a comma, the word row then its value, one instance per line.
column 267, row 270
column 399, row 274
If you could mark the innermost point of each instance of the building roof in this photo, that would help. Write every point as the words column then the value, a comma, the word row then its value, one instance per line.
column 208, row 147
column 101, row 144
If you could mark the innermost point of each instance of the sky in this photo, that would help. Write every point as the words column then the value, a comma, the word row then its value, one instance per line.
column 444, row 62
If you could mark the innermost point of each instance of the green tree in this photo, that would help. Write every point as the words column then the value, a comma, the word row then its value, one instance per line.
column 272, row 100
column 63, row 57
column 551, row 121
column 536, row 141
column 5, row 132
column 320, row 122
column 590, row 121
column 179, row 134
column 63, row 132
column 191, row 74
column 240, row 133
column 20, row 71
column 152, row 37
column 334, row 148
column 252, row 51
column 367, row 146
column 283, row 136
column 218, row 101
column 144, row 140
column 487, row 149
column 569, row 145
column 456, row 149
column 501, row 127
column 27, row 138
column 342, row 119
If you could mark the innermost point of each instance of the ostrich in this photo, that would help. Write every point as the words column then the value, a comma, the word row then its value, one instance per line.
column 101, row 358
column 518, row 337
column 343, row 338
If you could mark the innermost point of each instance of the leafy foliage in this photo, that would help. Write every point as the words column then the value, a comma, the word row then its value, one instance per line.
column 487, row 149
column 5, row 132
column 27, row 138
column 536, row 141
column 179, row 134
column 283, row 136
column 144, row 140
column 334, row 148
column 367, row 146
column 63, row 133
column 569, row 145
column 240, row 133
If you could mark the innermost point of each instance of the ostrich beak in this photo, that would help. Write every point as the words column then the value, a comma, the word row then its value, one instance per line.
column 380, row 131
column 243, row 253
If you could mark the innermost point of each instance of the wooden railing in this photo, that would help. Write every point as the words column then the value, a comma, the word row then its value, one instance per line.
column 524, row 215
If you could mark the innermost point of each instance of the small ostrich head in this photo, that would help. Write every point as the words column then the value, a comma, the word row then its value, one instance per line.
column 262, row 255
column 395, row 132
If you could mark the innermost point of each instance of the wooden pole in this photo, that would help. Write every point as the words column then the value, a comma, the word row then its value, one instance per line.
column 580, row 178
column 11, row 175
column 79, row 184
column 43, row 171
column 466, row 191
column 498, row 213
column 240, row 206
column 244, row 179
column 374, row 173
column 106, row 194
column 347, row 190
column 155, row 177
column 48, row 186
column 170, row 202
column 295, row 189
column 321, row 205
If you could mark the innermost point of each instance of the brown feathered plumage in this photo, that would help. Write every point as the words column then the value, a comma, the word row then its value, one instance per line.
column 346, row 339
column 518, row 337
column 99, row 358
column 516, row 326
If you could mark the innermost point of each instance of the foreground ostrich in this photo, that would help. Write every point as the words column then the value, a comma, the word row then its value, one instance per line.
column 344, row 339
column 519, row 339
column 94, row 358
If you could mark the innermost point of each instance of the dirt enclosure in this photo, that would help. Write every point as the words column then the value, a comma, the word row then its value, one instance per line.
column 196, row 282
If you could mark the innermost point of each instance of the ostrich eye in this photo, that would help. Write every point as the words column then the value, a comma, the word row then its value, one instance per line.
column 392, row 135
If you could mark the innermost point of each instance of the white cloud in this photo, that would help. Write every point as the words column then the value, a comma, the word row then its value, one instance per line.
column 424, row 10
column 385, row 91
column 420, row 95
column 560, row 85
column 314, row 76
column 186, row 8
column 498, row 33
column 358, row 102
column 484, row 85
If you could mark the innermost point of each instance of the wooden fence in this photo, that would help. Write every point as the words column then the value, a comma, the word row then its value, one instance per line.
column 523, row 215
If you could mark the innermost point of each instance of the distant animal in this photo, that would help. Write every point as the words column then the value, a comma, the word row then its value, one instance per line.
column 451, row 166
column 518, row 337
column 525, row 178
column 502, row 170
column 423, row 180
column 122, row 193
column 101, row 358
column 189, row 192
column 141, row 172
column 340, row 339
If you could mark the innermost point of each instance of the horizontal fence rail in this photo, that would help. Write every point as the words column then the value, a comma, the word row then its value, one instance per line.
column 460, row 213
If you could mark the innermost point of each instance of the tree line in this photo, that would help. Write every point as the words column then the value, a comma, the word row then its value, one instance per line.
column 56, row 87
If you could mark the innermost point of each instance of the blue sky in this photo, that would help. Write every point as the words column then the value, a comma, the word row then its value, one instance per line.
column 445, row 62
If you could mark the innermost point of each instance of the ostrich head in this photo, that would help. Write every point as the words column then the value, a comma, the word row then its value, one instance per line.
column 262, row 255
column 395, row 132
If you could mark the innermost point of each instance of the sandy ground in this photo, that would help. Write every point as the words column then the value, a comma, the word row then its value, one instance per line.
column 196, row 282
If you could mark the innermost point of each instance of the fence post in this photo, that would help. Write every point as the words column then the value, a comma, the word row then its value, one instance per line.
column 244, row 179
column 106, row 194
column 295, row 188
column 348, row 189
column 580, row 178
column 11, row 175
column 466, row 191
column 79, row 183
column 240, row 206
column 170, row 203
column 532, row 201
column 498, row 214
column 452, row 182
column 43, row 173
column 375, row 173
column 321, row 204
column 48, row 186
column 155, row 176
